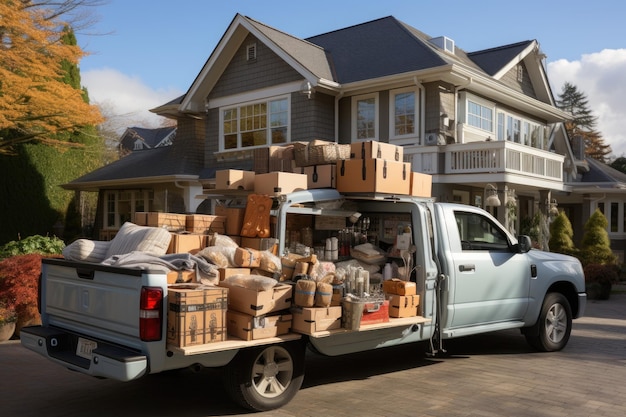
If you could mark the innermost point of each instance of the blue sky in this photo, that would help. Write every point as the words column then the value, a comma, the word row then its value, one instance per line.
column 144, row 53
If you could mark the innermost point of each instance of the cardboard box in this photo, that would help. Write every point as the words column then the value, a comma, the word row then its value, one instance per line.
column 373, row 176
column 227, row 272
column 274, row 183
column 234, row 219
column 421, row 184
column 234, row 179
column 320, row 176
column 317, row 319
column 247, row 327
column 179, row 277
column 186, row 243
column 260, row 243
column 205, row 224
column 274, row 158
column 404, row 305
column 171, row 221
column 258, row 303
column 374, row 149
column 397, row 286
column 141, row 218
column 196, row 314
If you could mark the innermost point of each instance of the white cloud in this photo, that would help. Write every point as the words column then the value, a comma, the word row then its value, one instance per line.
column 601, row 77
column 125, row 100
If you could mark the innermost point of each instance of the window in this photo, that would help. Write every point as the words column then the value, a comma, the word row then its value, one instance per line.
column 255, row 124
column 251, row 52
column 615, row 213
column 478, row 232
column 402, row 113
column 479, row 116
column 365, row 116
column 121, row 206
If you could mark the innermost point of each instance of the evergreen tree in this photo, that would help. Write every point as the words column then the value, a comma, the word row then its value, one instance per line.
column 619, row 164
column 583, row 122
column 561, row 234
column 596, row 245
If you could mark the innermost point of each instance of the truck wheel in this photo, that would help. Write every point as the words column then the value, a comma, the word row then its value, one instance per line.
column 552, row 330
column 266, row 378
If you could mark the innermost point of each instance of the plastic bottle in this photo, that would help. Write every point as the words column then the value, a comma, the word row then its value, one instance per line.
column 387, row 271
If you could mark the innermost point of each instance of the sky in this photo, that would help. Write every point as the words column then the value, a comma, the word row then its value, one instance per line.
column 144, row 53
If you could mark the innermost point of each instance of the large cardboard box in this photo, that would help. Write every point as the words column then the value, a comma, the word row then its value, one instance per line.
column 247, row 327
column 274, row 183
column 373, row 176
column 234, row 179
column 196, row 314
column 227, row 272
column 187, row 243
column 173, row 222
column 397, row 286
column 320, row 176
column 204, row 223
column 141, row 218
column 260, row 243
column 404, row 305
column 274, row 158
column 374, row 149
column 234, row 219
column 316, row 319
column 258, row 303
column 421, row 184
column 180, row 277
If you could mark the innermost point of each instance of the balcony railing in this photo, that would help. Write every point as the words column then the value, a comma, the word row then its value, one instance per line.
column 487, row 157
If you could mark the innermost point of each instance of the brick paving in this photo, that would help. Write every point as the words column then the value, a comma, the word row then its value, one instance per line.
column 483, row 376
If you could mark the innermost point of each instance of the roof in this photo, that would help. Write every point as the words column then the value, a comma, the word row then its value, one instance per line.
column 494, row 59
column 151, row 137
column 603, row 173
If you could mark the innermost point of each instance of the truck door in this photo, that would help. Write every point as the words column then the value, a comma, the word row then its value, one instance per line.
column 491, row 281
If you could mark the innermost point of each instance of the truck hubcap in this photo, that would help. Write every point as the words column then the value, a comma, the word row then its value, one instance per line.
column 556, row 323
column 272, row 372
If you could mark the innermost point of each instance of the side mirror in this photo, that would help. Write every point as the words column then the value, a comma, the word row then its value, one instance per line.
column 524, row 244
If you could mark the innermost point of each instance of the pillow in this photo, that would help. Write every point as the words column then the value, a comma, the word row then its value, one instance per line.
column 131, row 237
column 85, row 250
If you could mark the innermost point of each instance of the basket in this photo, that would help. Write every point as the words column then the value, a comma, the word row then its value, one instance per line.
column 319, row 152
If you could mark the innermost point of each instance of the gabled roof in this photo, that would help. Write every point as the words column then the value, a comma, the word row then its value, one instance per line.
column 600, row 172
column 494, row 59
column 152, row 138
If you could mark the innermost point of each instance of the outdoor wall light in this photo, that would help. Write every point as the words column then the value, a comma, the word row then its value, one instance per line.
column 491, row 196
column 307, row 89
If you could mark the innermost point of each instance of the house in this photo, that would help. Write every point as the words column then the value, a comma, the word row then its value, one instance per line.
column 483, row 123
column 139, row 138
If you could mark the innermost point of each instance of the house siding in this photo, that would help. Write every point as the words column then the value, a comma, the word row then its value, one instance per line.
column 525, row 86
column 312, row 118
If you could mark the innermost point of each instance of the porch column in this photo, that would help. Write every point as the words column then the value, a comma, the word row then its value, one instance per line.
column 545, row 196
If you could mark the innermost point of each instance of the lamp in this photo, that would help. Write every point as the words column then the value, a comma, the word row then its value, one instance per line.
column 491, row 196
column 307, row 89
column 553, row 210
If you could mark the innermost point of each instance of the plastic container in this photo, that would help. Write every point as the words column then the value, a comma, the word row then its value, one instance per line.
column 351, row 314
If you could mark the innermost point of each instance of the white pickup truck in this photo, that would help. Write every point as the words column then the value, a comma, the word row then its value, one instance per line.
column 472, row 277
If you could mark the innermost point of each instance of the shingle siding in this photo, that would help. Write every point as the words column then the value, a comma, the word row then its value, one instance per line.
column 525, row 86
column 312, row 118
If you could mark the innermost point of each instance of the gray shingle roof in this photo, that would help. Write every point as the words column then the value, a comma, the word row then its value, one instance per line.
column 599, row 172
column 493, row 59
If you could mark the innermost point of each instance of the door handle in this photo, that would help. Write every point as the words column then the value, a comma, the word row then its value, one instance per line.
column 467, row 268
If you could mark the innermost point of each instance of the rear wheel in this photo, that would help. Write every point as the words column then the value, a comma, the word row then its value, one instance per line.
column 266, row 378
column 552, row 330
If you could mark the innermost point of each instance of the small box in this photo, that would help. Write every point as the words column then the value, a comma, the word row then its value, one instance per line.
column 260, row 243
column 180, row 277
column 320, row 176
column 373, row 176
column 258, row 303
column 404, row 305
column 171, row 221
column 274, row 183
column 397, row 286
column 234, row 219
column 205, row 224
column 186, row 243
column 227, row 272
column 234, row 179
column 141, row 218
column 374, row 149
column 316, row 319
column 421, row 184
column 196, row 314
column 375, row 312
column 247, row 327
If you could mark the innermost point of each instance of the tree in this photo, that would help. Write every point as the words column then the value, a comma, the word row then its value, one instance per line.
column 596, row 245
column 583, row 122
column 561, row 234
column 35, row 101
column 619, row 164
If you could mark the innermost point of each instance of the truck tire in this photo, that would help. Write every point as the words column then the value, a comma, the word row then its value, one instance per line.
column 552, row 330
column 267, row 377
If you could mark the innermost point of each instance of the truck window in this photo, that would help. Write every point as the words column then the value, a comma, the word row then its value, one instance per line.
column 478, row 232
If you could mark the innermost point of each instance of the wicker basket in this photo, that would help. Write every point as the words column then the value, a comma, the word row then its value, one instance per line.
column 319, row 152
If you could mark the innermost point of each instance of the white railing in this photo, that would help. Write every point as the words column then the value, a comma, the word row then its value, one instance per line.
column 487, row 157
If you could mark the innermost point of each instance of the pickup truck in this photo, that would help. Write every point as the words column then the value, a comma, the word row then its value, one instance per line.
column 471, row 274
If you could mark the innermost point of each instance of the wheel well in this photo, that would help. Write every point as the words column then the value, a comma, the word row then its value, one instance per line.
column 568, row 290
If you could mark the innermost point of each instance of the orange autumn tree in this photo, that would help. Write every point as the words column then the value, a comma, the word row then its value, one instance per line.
column 35, row 102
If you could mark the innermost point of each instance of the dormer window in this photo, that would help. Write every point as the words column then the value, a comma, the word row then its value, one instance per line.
column 251, row 52
column 443, row 42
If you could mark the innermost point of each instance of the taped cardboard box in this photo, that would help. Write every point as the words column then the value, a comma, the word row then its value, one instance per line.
column 258, row 303
column 234, row 219
column 399, row 287
column 374, row 149
column 234, row 179
column 187, row 243
column 247, row 327
column 315, row 319
column 173, row 222
column 404, row 305
column 273, row 158
column 421, row 184
column 196, row 314
column 247, row 257
column 373, row 176
column 180, row 277
column 227, row 272
column 260, row 243
column 205, row 224
column 320, row 176
column 274, row 183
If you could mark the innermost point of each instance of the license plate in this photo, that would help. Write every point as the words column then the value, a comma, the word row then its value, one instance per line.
column 85, row 347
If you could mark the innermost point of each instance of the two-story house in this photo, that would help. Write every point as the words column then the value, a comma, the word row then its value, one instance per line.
column 484, row 123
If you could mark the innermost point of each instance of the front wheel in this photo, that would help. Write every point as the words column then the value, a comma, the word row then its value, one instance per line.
column 552, row 330
column 267, row 377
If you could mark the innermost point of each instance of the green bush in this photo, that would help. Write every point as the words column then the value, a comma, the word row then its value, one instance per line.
column 33, row 244
column 596, row 245
column 561, row 235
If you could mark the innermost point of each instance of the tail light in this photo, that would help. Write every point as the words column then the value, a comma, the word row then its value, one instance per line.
column 151, row 314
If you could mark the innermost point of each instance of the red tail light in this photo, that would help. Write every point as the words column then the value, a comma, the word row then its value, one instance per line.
column 151, row 314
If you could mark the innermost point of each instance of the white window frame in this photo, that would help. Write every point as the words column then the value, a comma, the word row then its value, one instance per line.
column 115, row 196
column 355, row 101
column 268, row 125
column 473, row 131
column 621, row 212
column 392, row 113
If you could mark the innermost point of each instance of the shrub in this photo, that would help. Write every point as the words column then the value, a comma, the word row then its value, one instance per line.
column 561, row 234
column 33, row 244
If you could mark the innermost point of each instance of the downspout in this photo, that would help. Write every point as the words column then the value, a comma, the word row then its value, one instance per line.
column 458, row 128
column 422, row 119
column 339, row 97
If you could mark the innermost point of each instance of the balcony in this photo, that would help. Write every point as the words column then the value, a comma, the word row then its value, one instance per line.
column 497, row 157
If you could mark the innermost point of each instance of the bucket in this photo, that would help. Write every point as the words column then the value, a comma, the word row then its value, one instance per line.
column 351, row 314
